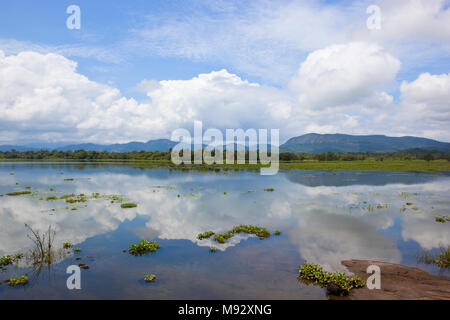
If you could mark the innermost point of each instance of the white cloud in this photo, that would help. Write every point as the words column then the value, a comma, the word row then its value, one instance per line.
column 425, row 106
column 336, row 89
column 343, row 74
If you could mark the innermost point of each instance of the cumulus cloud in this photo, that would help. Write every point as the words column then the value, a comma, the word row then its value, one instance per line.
column 343, row 74
column 336, row 89
column 426, row 101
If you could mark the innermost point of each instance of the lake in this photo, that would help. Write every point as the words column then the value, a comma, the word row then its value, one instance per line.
column 324, row 217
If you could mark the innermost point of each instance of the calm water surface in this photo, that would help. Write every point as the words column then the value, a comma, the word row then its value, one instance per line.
column 325, row 217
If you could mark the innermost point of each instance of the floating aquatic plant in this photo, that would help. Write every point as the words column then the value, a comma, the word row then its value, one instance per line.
column 19, row 193
column 205, row 235
column 223, row 237
column 128, row 205
column 10, row 259
column 164, row 187
column 440, row 219
column 143, row 247
column 18, row 281
column 67, row 245
column 315, row 273
column 269, row 190
column 149, row 278
column 213, row 249
column 277, row 232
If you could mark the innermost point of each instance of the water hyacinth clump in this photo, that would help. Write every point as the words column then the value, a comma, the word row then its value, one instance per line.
column 128, row 205
column 262, row 233
column 149, row 278
column 10, row 259
column 143, row 247
column 205, row 235
column 19, row 193
column 67, row 245
column 18, row 281
column 315, row 273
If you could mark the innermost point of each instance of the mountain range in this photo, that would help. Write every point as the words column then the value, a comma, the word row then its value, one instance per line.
column 310, row 143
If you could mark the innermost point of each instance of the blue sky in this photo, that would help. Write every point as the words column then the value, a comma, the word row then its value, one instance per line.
column 152, row 51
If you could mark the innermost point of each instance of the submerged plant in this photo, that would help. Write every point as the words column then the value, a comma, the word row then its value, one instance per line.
column 269, row 190
column 143, row 247
column 344, row 283
column 18, row 281
column 149, row 278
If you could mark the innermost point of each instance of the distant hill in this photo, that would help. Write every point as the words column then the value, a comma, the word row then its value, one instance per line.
column 310, row 143
column 152, row 145
column 4, row 148
column 320, row 143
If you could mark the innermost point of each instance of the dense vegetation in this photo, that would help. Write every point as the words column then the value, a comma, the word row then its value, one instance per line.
column 411, row 154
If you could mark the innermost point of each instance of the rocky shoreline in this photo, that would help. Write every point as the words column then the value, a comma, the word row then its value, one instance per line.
column 399, row 282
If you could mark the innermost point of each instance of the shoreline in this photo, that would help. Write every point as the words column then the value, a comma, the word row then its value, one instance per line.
column 399, row 282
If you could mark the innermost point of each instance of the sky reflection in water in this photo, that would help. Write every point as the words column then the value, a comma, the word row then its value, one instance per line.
column 325, row 217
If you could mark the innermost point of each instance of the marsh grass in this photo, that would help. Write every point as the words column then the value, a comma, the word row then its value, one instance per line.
column 43, row 252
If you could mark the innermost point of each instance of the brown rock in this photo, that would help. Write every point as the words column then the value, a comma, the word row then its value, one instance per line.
column 399, row 282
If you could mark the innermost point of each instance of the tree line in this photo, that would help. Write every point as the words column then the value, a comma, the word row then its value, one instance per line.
column 412, row 154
